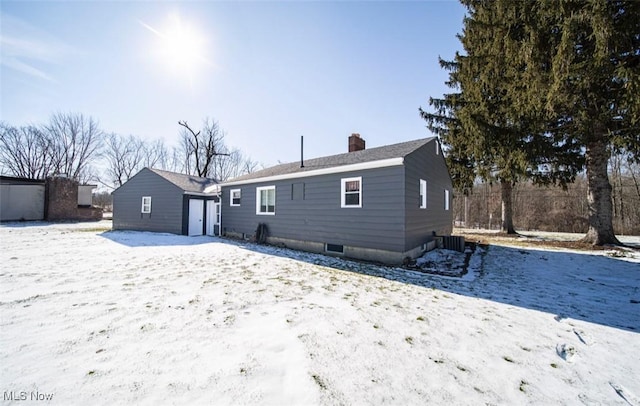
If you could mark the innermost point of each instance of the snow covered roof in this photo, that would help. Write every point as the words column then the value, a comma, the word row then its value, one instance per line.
column 387, row 155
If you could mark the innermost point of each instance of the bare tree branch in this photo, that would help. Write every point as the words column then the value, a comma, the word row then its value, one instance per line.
column 124, row 157
column 26, row 151
column 202, row 148
column 76, row 142
column 156, row 155
column 206, row 155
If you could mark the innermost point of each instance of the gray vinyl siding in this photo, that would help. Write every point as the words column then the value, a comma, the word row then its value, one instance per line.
column 421, row 224
column 378, row 224
column 166, row 204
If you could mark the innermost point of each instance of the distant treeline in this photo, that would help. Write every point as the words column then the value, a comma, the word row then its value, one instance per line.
column 552, row 208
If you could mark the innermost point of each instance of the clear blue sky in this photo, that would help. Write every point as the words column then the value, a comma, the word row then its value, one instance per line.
column 268, row 72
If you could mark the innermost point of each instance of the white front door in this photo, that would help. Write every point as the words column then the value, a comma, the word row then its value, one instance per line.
column 196, row 215
column 213, row 218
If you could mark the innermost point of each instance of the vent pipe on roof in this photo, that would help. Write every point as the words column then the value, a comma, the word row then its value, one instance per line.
column 302, row 151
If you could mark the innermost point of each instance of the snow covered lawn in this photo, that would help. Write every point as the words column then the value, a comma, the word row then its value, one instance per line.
column 95, row 317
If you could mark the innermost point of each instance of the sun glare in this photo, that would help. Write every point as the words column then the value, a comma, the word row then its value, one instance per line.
column 180, row 47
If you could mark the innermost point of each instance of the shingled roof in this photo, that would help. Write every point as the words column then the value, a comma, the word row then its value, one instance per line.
column 350, row 158
column 188, row 183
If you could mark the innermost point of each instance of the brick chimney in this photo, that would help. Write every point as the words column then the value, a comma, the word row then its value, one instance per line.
column 356, row 143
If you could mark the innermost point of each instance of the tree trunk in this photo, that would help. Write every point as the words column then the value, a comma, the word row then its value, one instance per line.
column 507, row 207
column 635, row 181
column 599, row 195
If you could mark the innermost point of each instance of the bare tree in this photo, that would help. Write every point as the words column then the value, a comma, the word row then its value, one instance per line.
column 233, row 165
column 26, row 151
column 103, row 199
column 624, row 170
column 156, row 155
column 206, row 155
column 176, row 159
column 634, row 171
column 555, row 208
column 76, row 142
column 202, row 147
column 123, row 157
column 250, row 166
column 126, row 156
column 229, row 166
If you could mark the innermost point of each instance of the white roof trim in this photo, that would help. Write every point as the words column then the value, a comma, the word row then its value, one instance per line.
column 212, row 189
column 200, row 194
column 383, row 163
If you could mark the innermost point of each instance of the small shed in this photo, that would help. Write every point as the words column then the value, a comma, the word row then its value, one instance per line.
column 163, row 201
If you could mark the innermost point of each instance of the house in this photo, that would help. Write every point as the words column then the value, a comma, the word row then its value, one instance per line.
column 55, row 198
column 380, row 204
column 162, row 201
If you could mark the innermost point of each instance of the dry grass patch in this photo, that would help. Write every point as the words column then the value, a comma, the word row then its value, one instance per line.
column 527, row 241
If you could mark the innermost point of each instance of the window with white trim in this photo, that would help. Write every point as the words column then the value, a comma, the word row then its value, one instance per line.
column 266, row 200
column 234, row 197
column 146, row 204
column 423, row 194
column 446, row 199
column 351, row 192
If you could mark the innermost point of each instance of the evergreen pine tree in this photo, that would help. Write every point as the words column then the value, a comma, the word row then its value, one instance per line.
column 583, row 62
column 487, row 129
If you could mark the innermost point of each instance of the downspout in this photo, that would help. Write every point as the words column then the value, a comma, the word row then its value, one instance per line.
column 219, row 195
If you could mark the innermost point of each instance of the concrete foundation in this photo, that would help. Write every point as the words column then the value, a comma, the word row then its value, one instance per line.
column 364, row 254
column 359, row 253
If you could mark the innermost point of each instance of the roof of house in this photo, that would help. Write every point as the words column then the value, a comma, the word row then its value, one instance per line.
column 11, row 180
column 188, row 183
column 335, row 161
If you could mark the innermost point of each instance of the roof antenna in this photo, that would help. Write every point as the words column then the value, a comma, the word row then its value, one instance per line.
column 302, row 151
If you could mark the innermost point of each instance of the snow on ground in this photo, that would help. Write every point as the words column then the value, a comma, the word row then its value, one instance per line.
column 95, row 317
